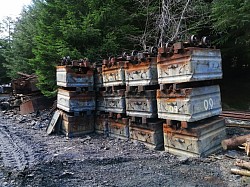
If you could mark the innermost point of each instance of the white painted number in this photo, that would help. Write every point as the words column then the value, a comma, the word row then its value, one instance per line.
column 208, row 104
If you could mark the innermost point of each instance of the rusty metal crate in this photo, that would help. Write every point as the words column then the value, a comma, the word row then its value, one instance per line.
column 202, row 139
column 101, row 124
column 189, row 104
column 141, row 104
column 70, row 76
column 151, row 134
column 73, row 101
column 118, row 128
column 115, row 101
column 144, row 73
column 192, row 64
column 114, row 75
column 77, row 125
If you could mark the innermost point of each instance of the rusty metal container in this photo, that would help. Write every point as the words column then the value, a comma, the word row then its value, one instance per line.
column 101, row 125
column 192, row 64
column 72, row 101
column 202, row 139
column 74, row 76
column 114, row 75
column 118, row 128
column 115, row 101
column 77, row 125
column 189, row 104
column 144, row 73
column 141, row 104
column 150, row 134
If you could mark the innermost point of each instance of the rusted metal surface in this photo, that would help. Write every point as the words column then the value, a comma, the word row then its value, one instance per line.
column 141, row 104
column 74, row 76
column 113, row 73
column 143, row 73
column 202, row 139
column 77, row 125
column 100, row 102
column 34, row 104
column 188, row 65
column 101, row 124
column 25, row 84
column 236, row 115
column 118, row 128
column 115, row 101
column 72, row 101
column 189, row 104
column 151, row 137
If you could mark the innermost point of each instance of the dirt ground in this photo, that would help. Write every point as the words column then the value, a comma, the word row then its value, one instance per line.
column 29, row 157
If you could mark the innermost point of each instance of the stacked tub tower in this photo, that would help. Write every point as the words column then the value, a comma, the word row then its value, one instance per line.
column 75, row 97
column 189, row 98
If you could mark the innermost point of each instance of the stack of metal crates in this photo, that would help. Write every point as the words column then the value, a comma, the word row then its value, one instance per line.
column 111, row 106
column 189, row 99
column 141, row 105
column 76, row 98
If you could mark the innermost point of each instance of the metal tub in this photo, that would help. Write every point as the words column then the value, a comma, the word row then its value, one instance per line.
column 194, row 64
column 189, row 104
column 77, row 125
column 152, row 137
column 144, row 73
column 118, row 128
column 72, row 101
column 101, row 124
column 115, row 102
column 141, row 104
column 69, row 76
column 113, row 75
column 202, row 139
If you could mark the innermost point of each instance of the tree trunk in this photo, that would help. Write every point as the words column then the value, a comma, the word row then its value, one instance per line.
column 234, row 142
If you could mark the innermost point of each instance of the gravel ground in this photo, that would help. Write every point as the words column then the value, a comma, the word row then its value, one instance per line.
column 29, row 157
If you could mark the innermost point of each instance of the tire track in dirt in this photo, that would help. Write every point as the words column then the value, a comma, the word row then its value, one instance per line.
column 15, row 152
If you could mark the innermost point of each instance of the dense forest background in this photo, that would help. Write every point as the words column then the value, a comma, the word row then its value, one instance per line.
column 96, row 29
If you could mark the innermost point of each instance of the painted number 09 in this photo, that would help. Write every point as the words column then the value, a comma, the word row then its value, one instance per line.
column 208, row 104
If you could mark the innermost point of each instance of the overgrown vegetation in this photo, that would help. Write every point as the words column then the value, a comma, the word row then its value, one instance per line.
column 50, row 29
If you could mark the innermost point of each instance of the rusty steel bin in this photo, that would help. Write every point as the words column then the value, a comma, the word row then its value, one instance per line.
column 141, row 104
column 144, row 73
column 72, row 101
column 189, row 104
column 69, row 76
column 193, row 64
column 115, row 101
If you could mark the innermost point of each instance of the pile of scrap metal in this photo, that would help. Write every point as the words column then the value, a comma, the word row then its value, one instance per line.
column 26, row 97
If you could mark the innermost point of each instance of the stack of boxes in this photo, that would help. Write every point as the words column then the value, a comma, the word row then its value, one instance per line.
column 141, row 85
column 190, row 100
column 113, row 122
column 76, row 98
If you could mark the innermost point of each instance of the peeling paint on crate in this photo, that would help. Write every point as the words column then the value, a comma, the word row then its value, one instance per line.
column 115, row 102
column 202, row 139
column 114, row 75
column 69, row 76
column 118, row 128
column 141, row 104
column 194, row 64
column 72, row 101
column 195, row 104
column 143, row 73
column 151, row 134
column 77, row 125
